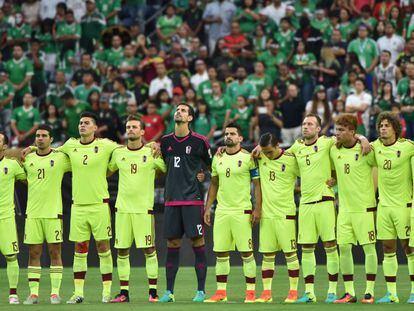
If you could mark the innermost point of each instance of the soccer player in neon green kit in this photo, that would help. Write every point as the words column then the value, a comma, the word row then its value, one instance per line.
column 10, row 171
column 357, row 204
column 44, row 170
column 278, row 170
column 90, row 214
column 232, row 174
column 393, row 155
column 134, row 218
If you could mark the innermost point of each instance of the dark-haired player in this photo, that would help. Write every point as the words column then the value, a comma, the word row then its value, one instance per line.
column 44, row 170
column 89, row 157
column 185, row 154
column 393, row 155
column 10, row 171
column 231, row 178
column 278, row 170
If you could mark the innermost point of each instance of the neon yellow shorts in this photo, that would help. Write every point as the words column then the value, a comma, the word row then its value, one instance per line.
column 393, row 223
column 9, row 243
column 278, row 234
column 38, row 230
column 231, row 231
column 356, row 227
column 317, row 220
column 90, row 219
column 130, row 227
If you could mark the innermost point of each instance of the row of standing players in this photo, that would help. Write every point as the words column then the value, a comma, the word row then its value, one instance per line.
column 184, row 153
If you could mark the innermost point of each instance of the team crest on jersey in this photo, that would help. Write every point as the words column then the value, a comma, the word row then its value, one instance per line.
column 283, row 167
column 356, row 157
column 6, row 170
column 315, row 148
column 52, row 163
column 398, row 153
column 144, row 158
column 239, row 163
column 96, row 149
column 188, row 149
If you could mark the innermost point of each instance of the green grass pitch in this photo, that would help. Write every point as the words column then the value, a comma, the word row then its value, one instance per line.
column 185, row 289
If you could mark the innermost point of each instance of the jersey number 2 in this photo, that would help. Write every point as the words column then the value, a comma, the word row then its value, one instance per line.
column 177, row 161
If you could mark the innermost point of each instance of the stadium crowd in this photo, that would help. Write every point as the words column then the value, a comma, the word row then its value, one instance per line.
column 260, row 63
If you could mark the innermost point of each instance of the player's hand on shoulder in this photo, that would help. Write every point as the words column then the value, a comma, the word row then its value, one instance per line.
column 25, row 152
column 256, row 152
column 220, row 151
column 366, row 146
column 156, row 149
column 207, row 216
column 331, row 182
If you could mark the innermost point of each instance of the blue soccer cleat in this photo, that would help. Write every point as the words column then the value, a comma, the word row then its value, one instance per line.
column 167, row 297
column 388, row 298
column 199, row 296
column 330, row 298
column 307, row 298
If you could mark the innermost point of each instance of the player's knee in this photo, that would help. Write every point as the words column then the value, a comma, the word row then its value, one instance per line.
column 246, row 254
column 174, row 243
column 197, row 242
column 82, row 247
column 35, row 253
column 287, row 255
column 329, row 244
column 149, row 250
column 102, row 246
column 11, row 258
column 54, row 253
column 389, row 246
column 407, row 249
column 123, row 252
column 222, row 254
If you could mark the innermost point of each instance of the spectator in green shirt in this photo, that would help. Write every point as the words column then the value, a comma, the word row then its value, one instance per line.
column 92, row 24
column 25, row 121
column 243, row 115
column 20, row 73
column 71, row 113
column 20, row 33
column 204, row 123
column 248, row 16
column 6, row 98
column 168, row 24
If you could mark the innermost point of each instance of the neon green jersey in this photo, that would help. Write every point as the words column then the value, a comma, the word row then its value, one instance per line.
column 314, row 167
column 234, row 173
column 395, row 184
column 89, row 163
column 44, row 179
column 278, row 177
column 354, row 175
column 10, row 171
column 136, row 178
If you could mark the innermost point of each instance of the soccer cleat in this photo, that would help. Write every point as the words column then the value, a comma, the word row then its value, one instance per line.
column 292, row 296
column 411, row 298
column 331, row 298
column 75, row 299
column 14, row 300
column 250, row 296
column 120, row 299
column 199, row 296
column 106, row 299
column 346, row 298
column 307, row 298
column 153, row 298
column 31, row 300
column 368, row 299
column 266, row 296
column 167, row 297
column 55, row 299
column 219, row 296
column 388, row 298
